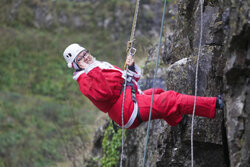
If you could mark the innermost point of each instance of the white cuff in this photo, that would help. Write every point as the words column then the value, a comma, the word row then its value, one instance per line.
column 76, row 75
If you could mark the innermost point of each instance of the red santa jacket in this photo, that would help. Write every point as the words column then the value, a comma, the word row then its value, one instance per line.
column 101, row 83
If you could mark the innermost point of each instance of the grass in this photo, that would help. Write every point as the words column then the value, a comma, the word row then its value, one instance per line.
column 36, row 130
column 42, row 111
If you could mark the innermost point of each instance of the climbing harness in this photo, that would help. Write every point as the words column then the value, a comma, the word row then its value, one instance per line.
column 128, row 50
column 135, row 114
column 155, row 73
column 136, row 111
column 196, row 80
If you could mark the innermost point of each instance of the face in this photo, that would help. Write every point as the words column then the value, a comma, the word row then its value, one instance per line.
column 84, row 56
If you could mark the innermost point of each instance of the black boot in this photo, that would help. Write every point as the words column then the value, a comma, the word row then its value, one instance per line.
column 219, row 102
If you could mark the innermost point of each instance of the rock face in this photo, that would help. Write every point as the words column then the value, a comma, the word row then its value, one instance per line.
column 237, row 81
column 224, row 67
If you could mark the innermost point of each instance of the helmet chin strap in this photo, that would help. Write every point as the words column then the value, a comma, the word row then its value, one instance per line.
column 76, row 66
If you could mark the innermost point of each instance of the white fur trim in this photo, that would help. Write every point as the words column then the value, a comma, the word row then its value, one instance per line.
column 77, row 74
column 92, row 66
column 106, row 65
column 101, row 65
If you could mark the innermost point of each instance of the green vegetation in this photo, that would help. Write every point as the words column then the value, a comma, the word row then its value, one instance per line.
column 36, row 129
column 111, row 145
column 44, row 119
column 32, row 62
column 41, row 109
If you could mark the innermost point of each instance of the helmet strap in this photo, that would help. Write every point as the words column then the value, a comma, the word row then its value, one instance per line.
column 76, row 66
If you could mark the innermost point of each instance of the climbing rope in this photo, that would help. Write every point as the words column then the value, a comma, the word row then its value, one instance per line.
column 132, row 35
column 155, row 73
column 196, row 80
column 128, row 50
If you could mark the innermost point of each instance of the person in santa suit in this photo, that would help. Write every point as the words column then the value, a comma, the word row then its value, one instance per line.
column 102, row 83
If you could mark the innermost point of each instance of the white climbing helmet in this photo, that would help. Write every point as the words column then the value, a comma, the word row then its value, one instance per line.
column 71, row 52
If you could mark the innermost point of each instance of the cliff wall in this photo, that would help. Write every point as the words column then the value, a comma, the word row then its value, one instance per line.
column 224, row 69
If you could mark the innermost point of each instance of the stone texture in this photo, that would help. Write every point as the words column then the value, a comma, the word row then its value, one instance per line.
column 237, row 73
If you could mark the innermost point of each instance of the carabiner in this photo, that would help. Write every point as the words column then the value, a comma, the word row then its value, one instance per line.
column 132, row 51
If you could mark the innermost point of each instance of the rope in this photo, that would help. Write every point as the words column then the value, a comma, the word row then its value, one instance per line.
column 196, row 79
column 123, row 100
column 132, row 35
column 129, row 45
column 155, row 73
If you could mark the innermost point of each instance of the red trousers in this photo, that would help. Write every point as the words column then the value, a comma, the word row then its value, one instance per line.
column 170, row 106
column 167, row 105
